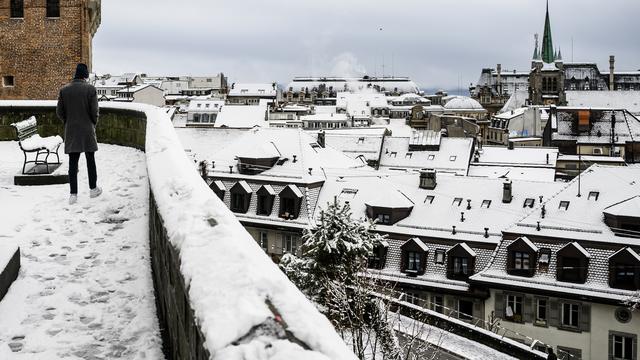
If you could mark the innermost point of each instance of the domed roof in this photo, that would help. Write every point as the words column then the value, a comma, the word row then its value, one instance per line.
column 463, row 103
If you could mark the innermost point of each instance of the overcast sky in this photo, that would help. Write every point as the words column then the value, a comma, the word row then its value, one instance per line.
column 439, row 44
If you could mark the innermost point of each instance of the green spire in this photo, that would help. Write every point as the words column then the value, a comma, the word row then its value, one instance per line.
column 547, row 42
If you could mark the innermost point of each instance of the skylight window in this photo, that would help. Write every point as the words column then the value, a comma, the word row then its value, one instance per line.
column 545, row 256
column 486, row 204
column 564, row 205
column 408, row 155
column 431, row 157
column 529, row 202
column 393, row 153
column 429, row 199
column 457, row 201
column 452, row 158
column 439, row 256
column 360, row 140
column 594, row 195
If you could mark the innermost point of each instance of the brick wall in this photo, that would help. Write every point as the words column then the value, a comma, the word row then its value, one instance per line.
column 41, row 53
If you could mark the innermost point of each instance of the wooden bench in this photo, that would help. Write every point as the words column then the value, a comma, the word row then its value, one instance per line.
column 31, row 142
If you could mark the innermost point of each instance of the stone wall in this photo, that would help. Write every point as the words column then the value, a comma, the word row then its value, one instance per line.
column 181, row 337
column 40, row 52
column 115, row 126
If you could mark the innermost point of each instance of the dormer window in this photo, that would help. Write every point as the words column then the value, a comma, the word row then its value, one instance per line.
column 486, row 204
column 290, row 201
column 564, row 205
column 624, row 269
column 521, row 257
column 529, row 202
column 266, row 195
column 572, row 263
column 218, row 188
column 240, row 197
column 461, row 262
column 414, row 257
column 593, row 195
column 389, row 208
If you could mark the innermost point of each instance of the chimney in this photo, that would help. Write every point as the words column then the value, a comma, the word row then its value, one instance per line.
column 510, row 145
column 507, row 194
column 321, row 138
column 499, row 79
column 428, row 179
column 295, row 158
column 612, row 61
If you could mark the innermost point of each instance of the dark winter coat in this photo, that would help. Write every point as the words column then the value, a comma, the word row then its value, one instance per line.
column 78, row 110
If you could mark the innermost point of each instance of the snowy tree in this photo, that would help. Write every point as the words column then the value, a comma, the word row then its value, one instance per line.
column 331, row 272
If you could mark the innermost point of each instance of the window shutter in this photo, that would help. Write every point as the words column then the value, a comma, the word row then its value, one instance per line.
column 499, row 304
column 554, row 313
column 528, row 309
column 585, row 317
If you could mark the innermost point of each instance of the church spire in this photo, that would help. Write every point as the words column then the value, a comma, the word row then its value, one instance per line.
column 536, row 52
column 547, row 42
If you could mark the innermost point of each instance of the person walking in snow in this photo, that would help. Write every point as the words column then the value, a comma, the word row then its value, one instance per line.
column 78, row 110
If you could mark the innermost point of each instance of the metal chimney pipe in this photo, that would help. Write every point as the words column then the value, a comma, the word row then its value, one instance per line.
column 612, row 61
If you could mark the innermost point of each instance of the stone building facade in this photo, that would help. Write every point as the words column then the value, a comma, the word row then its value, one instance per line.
column 41, row 41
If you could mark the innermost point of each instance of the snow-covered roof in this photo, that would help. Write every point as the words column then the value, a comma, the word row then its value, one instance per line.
column 268, row 188
column 518, row 156
column 205, row 105
column 325, row 117
column 547, row 174
column 517, row 100
column 418, row 243
column 628, row 100
column 565, row 126
column 137, row 88
column 463, row 103
column 582, row 219
column 243, row 116
column 355, row 84
column 511, row 114
column 453, row 155
column 466, row 248
column 390, row 199
column 258, row 90
column 528, row 242
column 629, row 207
column 627, row 250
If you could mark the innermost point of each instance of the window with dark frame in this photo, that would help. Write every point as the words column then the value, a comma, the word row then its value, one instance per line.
column 237, row 202
column 541, row 311
column 486, row 204
column 529, row 202
column 53, row 8
column 564, row 205
column 265, row 203
column 17, row 9
column 289, row 243
column 571, row 270
column 624, row 275
column 457, row 201
column 570, row 315
column 465, row 310
column 513, row 309
column 438, row 303
column 383, row 219
column 287, row 206
column 429, row 199
column 593, row 195
column 460, row 266
column 440, row 256
column 8, row 81
column 622, row 347
column 521, row 261
column 413, row 261
column 431, row 157
column 264, row 242
column 545, row 256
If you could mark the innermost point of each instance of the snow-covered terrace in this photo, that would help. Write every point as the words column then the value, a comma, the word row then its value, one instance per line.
column 242, row 305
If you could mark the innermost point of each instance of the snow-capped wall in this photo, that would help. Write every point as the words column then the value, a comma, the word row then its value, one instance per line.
column 237, row 303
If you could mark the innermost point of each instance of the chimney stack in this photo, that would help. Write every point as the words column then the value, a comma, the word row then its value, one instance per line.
column 321, row 138
column 511, row 145
column 507, row 193
column 428, row 179
column 612, row 61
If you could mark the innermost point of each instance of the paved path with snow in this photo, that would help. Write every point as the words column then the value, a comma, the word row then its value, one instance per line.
column 84, row 289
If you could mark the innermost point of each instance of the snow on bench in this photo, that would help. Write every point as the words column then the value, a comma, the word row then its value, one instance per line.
column 29, row 141
column 36, row 142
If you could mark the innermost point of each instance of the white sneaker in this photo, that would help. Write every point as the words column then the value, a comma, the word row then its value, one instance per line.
column 73, row 198
column 93, row 193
